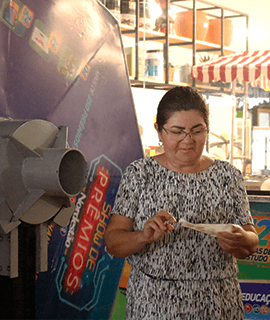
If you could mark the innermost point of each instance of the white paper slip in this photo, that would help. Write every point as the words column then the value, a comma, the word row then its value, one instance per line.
column 212, row 229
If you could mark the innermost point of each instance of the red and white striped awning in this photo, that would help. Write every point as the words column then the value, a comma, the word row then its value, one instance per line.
column 249, row 66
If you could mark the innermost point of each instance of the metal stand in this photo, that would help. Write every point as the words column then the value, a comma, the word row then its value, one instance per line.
column 17, row 295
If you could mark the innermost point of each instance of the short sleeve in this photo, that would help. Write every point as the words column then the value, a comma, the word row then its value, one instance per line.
column 127, row 197
column 241, row 204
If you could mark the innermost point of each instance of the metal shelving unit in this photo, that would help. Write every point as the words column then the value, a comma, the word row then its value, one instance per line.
column 168, row 40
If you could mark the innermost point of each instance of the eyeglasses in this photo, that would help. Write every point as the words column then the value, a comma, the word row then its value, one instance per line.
column 179, row 135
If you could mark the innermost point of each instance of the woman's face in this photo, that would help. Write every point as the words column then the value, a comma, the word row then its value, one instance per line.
column 178, row 147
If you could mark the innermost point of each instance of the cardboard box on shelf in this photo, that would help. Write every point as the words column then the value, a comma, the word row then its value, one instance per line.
column 171, row 73
column 131, row 63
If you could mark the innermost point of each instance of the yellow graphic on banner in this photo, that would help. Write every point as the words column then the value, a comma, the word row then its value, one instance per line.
column 26, row 16
column 54, row 42
column 262, row 225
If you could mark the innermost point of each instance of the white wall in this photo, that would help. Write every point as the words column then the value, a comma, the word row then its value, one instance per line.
column 146, row 102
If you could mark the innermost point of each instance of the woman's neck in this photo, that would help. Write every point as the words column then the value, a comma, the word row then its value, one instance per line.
column 196, row 166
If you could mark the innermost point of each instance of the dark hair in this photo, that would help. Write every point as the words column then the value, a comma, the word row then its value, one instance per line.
column 178, row 99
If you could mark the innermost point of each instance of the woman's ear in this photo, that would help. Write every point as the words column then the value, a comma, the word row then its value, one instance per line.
column 158, row 132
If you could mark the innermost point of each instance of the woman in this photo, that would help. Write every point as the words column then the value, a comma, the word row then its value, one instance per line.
column 176, row 272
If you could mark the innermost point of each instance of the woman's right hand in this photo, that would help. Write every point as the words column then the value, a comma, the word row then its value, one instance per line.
column 121, row 240
column 156, row 226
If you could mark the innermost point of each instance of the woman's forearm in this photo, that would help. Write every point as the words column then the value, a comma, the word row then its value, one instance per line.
column 121, row 240
column 122, row 243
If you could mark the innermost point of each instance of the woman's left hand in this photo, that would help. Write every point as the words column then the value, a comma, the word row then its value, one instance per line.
column 241, row 242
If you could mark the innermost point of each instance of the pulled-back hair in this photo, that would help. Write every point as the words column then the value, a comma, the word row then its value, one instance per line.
column 181, row 98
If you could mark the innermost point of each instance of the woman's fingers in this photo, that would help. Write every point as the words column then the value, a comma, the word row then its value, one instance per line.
column 162, row 218
column 167, row 216
column 158, row 225
column 232, row 239
column 241, row 242
column 169, row 227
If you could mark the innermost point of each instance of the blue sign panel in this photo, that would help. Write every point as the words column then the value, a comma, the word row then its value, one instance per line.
column 82, row 274
column 256, row 299
column 63, row 61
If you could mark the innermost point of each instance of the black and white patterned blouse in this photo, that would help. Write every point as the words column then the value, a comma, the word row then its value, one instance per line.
column 184, row 256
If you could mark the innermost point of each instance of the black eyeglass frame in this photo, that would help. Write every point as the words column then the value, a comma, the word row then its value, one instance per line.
column 185, row 133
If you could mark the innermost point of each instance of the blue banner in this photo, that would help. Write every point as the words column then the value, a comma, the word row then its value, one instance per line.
column 82, row 277
column 256, row 299
column 63, row 61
